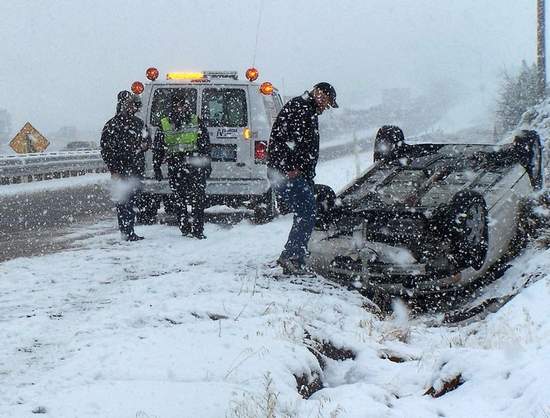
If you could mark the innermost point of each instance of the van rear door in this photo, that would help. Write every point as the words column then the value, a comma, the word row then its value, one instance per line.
column 225, row 113
column 161, row 100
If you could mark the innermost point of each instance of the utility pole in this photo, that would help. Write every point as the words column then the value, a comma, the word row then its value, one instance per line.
column 541, row 48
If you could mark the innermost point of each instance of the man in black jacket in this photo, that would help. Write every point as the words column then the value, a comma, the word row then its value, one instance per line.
column 122, row 147
column 293, row 152
column 183, row 140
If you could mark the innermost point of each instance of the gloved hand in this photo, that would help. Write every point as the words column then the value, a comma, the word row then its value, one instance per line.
column 158, row 174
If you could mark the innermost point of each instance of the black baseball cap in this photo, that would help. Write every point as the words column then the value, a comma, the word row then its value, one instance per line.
column 329, row 91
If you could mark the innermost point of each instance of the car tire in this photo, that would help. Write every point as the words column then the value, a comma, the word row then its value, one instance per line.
column 386, row 142
column 469, row 230
column 266, row 209
column 325, row 198
column 382, row 150
column 533, row 159
column 148, row 205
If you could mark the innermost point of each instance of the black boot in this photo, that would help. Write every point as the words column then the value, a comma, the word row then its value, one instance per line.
column 131, row 237
column 185, row 228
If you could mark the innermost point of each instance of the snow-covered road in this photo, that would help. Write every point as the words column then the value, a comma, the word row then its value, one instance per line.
column 173, row 327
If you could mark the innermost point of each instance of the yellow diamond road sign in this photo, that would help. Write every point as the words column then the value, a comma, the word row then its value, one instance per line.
column 29, row 140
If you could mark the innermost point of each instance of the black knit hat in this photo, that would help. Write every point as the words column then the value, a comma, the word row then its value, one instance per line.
column 123, row 96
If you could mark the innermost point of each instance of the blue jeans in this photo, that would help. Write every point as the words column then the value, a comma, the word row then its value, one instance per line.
column 298, row 195
column 125, row 205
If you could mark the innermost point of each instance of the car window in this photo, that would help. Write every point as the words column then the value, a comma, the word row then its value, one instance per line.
column 162, row 98
column 224, row 107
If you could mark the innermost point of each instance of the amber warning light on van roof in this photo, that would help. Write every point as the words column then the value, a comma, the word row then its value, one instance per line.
column 137, row 87
column 252, row 74
column 152, row 73
column 266, row 88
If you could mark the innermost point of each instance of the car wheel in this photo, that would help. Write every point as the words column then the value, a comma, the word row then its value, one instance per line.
column 326, row 201
column 386, row 141
column 534, row 166
column 148, row 205
column 266, row 209
column 529, row 149
column 469, row 231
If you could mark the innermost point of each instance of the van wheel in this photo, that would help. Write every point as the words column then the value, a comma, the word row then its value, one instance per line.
column 469, row 230
column 148, row 205
column 266, row 209
column 169, row 204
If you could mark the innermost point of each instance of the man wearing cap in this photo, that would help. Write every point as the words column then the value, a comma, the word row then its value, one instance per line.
column 293, row 152
column 122, row 145
column 184, row 143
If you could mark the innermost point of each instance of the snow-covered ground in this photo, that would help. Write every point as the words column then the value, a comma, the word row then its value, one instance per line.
column 54, row 184
column 173, row 327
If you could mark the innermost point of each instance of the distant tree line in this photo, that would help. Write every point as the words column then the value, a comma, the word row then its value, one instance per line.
column 518, row 93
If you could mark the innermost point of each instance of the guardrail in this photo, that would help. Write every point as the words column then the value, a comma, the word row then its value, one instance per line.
column 51, row 165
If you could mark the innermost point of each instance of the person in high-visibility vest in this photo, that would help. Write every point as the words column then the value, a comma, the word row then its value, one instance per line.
column 183, row 142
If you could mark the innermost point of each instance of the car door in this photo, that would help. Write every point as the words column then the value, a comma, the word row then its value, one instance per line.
column 224, row 111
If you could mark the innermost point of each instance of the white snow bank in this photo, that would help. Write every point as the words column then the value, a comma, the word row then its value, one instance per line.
column 174, row 327
column 54, row 184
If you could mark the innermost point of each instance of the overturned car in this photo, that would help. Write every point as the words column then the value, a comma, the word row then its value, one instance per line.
column 426, row 218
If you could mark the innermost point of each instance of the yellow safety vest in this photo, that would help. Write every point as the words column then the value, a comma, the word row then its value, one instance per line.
column 181, row 140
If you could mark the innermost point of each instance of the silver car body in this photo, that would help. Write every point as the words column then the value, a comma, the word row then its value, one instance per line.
column 395, row 268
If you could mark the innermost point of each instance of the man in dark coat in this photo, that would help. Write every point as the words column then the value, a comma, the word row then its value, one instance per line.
column 183, row 141
column 293, row 152
column 122, row 147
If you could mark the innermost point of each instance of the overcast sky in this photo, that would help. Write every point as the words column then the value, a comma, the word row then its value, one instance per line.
column 63, row 61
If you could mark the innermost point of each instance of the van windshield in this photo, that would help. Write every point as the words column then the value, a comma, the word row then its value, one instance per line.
column 162, row 99
column 224, row 107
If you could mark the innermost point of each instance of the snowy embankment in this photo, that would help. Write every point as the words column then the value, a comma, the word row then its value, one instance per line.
column 173, row 327
column 54, row 184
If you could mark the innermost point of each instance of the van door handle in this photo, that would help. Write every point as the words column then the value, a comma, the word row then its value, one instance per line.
column 241, row 164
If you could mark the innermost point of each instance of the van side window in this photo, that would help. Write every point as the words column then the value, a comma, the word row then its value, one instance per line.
column 162, row 99
column 278, row 102
column 224, row 107
column 271, row 110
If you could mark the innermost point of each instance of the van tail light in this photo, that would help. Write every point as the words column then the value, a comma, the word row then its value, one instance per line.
column 260, row 152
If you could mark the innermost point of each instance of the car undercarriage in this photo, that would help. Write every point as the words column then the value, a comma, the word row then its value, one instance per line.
column 426, row 217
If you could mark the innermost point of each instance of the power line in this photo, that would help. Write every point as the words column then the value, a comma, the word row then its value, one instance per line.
column 258, row 31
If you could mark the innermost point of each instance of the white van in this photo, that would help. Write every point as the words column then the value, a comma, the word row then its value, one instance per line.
column 239, row 115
